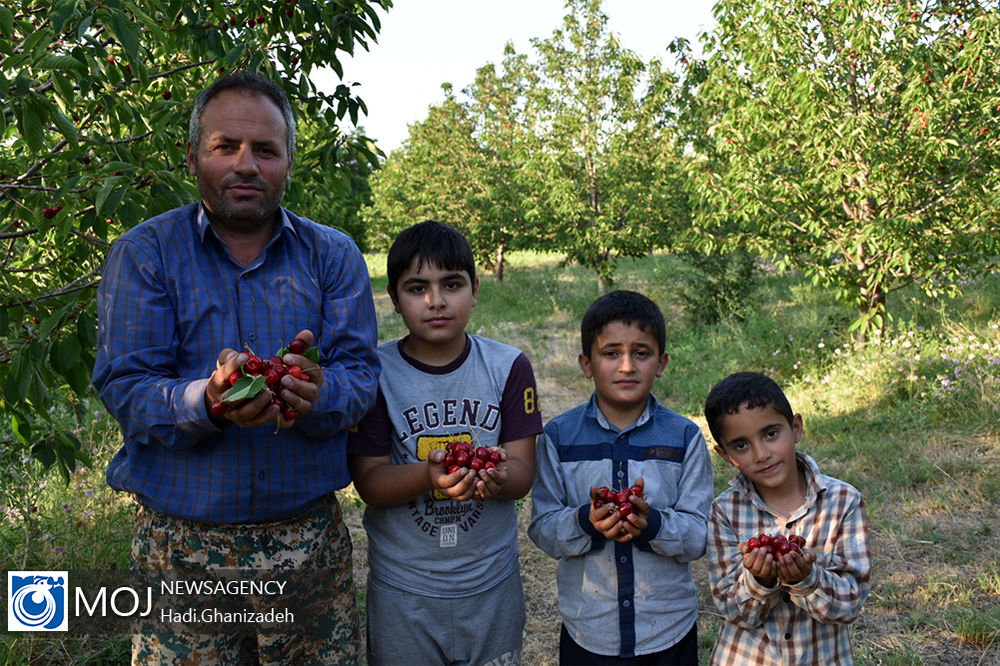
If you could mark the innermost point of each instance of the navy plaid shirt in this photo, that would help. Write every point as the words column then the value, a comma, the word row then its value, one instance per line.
column 171, row 298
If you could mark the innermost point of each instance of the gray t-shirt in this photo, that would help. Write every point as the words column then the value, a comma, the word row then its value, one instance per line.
column 432, row 545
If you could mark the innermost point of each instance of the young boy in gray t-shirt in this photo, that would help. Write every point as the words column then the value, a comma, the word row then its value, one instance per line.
column 442, row 545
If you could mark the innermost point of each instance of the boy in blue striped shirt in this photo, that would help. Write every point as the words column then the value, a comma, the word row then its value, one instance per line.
column 626, row 592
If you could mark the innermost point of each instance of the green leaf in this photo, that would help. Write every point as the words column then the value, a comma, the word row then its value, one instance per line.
column 44, row 453
column 6, row 20
column 67, row 353
column 86, row 330
column 16, row 386
column 66, row 127
column 102, row 195
column 21, row 429
column 32, row 124
column 245, row 388
column 60, row 62
column 126, row 33
column 78, row 378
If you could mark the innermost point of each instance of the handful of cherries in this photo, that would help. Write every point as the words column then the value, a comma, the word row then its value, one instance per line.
column 258, row 374
column 462, row 455
column 776, row 545
column 619, row 498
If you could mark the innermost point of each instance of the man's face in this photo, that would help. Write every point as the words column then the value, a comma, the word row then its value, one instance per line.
column 242, row 164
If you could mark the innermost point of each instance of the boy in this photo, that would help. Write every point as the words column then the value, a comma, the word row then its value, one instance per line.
column 791, row 608
column 626, row 593
column 444, row 583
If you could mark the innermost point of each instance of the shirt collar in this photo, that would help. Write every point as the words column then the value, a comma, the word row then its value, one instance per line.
column 815, row 483
column 203, row 223
column 594, row 412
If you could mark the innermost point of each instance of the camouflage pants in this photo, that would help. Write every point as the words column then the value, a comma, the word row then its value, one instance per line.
column 314, row 547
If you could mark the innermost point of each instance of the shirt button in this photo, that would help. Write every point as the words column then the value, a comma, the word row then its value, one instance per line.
column 788, row 636
column 626, row 603
column 623, row 559
column 260, row 475
column 253, row 337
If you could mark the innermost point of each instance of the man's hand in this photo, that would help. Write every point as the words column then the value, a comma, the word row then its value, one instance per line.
column 298, row 394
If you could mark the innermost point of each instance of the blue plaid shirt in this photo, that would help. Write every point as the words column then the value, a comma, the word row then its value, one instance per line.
column 171, row 298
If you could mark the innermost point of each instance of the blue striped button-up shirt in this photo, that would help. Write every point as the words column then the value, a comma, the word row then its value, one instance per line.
column 171, row 298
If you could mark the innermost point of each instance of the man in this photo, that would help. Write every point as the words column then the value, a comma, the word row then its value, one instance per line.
column 184, row 298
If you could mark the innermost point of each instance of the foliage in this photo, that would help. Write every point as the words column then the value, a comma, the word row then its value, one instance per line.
column 603, row 153
column 96, row 98
column 855, row 140
column 336, row 195
column 571, row 153
column 461, row 166
column 722, row 285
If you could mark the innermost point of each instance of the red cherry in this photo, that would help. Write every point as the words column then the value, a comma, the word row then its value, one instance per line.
column 449, row 459
column 622, row 497
column 753, row 543
column 254, row 365
column 48, row 213
column 234, row 377
column 297, row 346
column 218, row 409
column 167, row 94
column 765, row 539
column 483, row 453
column 798, row 540
column 489, row 464
column 624, row 509
column 454, row 468
column 271, row 377
column 606, row 494
column 85, row 159
column 476, row 463
column 784, row 547
column 496, row 457
column 260, row 18
column 296, row 371
column 289, row 414
column 635, row 491
column 295, row 60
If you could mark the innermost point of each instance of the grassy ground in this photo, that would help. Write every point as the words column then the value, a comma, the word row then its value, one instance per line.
column 912, row 421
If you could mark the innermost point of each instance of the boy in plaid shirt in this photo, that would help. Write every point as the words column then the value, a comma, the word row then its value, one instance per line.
column 792, row 608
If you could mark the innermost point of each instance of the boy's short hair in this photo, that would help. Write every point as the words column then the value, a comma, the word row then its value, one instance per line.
column 752, row 389
column 432, row 242
column 626, row 307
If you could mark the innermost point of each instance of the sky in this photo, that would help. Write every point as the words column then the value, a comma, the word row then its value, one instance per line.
column 424, row 43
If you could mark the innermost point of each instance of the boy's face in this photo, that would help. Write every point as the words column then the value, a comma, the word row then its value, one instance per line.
column 435, row 304
column 624, row 361
column 761, row 443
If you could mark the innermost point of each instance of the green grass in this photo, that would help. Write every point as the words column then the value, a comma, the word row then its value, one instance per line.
column 913, row 421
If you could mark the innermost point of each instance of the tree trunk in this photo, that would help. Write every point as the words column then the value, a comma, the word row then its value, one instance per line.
column 602, row 285
column 874, row 313
column 498, row 266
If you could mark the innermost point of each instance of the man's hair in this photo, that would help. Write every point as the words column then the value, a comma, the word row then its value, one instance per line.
column 430, row 242
column 752, row 390
column 250, row 82
column 626, row 307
